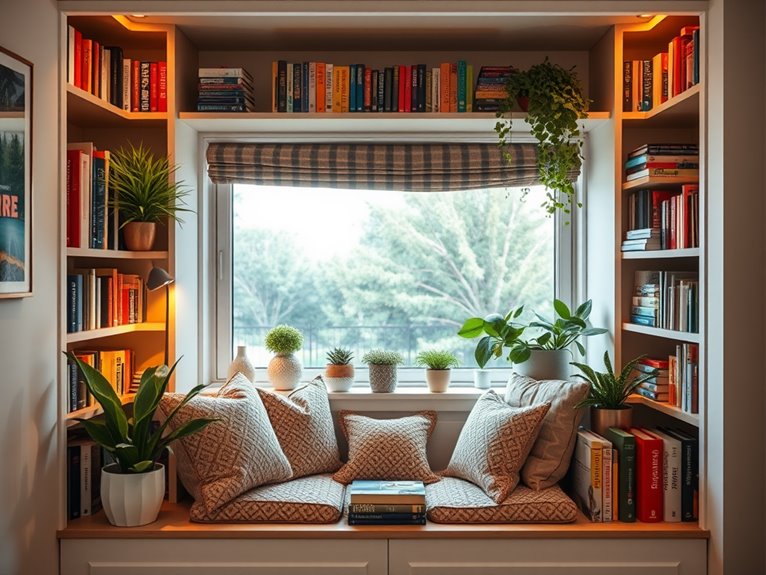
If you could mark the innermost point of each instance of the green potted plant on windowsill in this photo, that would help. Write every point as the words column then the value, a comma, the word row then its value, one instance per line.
column 132, row 489
column 438, row 364
column 339, row 372
column 144, row 193
column 382, row 366
column 609, row 393
column 553, row 100
column 285, row 368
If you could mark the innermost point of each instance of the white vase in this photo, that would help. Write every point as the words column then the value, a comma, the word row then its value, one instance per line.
column 242, row 364
column 546, row 364
column 284, row 371
column 132, row 499
column 438, row 380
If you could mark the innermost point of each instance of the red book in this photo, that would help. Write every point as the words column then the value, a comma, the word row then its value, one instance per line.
column 73, row 198
column 154, row 87
column 658, row 196
column 649, row 476
column 367, row 90
column 78, row 58
column 87, row 54
column 162, row 94
column 688, row 191
column 95, row 69
column 403, row 75
column 408, row 88
column 321, row 97
column 678, row 66
column 135, row 94
column 444, row 87
column 655, row 363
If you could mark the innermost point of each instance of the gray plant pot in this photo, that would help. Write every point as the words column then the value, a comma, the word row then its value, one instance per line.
column 382, row 378
column 546, row 364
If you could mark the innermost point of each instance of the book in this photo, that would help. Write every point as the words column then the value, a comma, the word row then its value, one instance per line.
column 671, row 481
column 650, row 159
column 688, row 473
column 649, row 493
column 388, row 492
column 587, row 475
column 361, row 508
column 225, row 73
column 358, row 521
column 624, row 451
column 663, row 173
column 387, row 517
column 73, row 482
column 665, row 149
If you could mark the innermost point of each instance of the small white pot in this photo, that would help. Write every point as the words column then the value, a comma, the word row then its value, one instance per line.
column 242, row 364
column 284, row 371
column 438, row 380
column 132, row 499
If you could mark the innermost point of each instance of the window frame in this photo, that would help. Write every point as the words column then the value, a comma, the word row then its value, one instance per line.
column 567, row 278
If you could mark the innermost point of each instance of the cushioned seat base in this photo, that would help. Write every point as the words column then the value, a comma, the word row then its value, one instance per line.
column 453, row 500
column 312, row 499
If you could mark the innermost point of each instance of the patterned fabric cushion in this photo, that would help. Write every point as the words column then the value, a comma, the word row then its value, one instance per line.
column 549, row 459
column 457, row 501
column 315, row 499
column 229, row 456
column 494, row 443
column 387, row 448
column 303, row 424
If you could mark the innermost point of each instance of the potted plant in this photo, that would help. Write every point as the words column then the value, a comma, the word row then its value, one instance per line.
column 382, row 365
column 339, row 373
column 437, row 363
column 609, row 393
column 144, row 193
column 285, row 367
column 544, row 356
column 132, row 489
column 553, row 99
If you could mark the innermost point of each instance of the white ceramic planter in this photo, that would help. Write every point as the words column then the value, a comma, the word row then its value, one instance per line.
column 546, row 364
column 132, row 499
column 242, row 364
column 438, row 380
column 284, row 371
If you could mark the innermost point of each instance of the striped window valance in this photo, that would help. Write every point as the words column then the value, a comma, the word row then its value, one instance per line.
column 403, row 167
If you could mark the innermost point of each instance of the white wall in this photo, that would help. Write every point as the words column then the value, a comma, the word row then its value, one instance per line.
column 29, row 475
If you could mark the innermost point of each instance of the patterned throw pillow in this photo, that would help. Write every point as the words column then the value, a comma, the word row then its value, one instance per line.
column 494, row 443
column 392, row 449
column 303, row 424
column 550, row 456
column 229, row 456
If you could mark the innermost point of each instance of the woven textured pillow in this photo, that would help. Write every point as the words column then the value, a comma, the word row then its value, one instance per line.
column 494, row 443
column 550, row 456
column 303, row 424
column 392, row 449
column 229, row 456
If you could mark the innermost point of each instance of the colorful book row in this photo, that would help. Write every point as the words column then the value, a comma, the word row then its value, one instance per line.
column 662, row 219
column 102, row 297
column 674, row 297
column 116, row 365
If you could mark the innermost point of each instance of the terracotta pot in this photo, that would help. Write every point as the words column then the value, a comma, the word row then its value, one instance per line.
column 339, row 377
column 438, row 380
column 132, row 499
column 603, row 419
column 139, row 236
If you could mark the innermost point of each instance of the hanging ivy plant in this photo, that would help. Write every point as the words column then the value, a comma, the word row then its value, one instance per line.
column 554, row 103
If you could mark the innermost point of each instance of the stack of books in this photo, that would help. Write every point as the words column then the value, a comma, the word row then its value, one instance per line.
column 387, row 503
column 658, row 386
column 491, row 89
column 663, row 219
column 666, row 299
column 225, row 90
column 641, row 240
column 662, row 160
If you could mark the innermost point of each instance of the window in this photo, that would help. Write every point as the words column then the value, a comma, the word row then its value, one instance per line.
column 367, row 269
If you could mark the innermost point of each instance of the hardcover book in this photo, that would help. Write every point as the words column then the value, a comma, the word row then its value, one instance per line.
column 388, row 492
column 649, row 475
column 624, row 446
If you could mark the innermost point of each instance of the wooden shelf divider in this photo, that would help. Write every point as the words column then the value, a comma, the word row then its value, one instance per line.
column 93, row 334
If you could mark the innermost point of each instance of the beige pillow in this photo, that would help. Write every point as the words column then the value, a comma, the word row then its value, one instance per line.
column 549, row 459
column 494, row 443
column 303, row 424
column 229, row 456
column 392, row 449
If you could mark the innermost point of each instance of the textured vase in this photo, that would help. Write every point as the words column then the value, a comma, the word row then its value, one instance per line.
column 339, row 377
column 242, row 364
column 139, row 236
column 603, row 419
column 382, row 378
column 284, row 371
column 132, row 499
column 546, row 364
column 438, row 380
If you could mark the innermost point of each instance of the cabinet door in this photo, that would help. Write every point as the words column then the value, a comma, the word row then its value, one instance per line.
column 222, row 557
column 548, row 557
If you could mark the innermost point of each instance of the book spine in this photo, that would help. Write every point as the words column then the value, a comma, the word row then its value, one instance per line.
column 358, row 521
column 329, row 104
column 627, row 86
column 435, row 88
column 98, row 217
column 387, row 516
column 627, row 481
column 73, row 476
column 312, row 88
column 671, row 482
column 649, row 480
column 606, row 491
column 162, row 88
column 297, row 79
column 469, row 88
column 361, row 508
column 77, row 65
column 410, row 89
column 289, row 105
column 321, row 87
column 688, row 473
column 305, row 89
column 85, row 479
column 453, row 87
column 368, row 90
column 85, row 68
column 444, row 87
column 95, row 68
column 359, row 87
column 646, row 85
column 461, row 87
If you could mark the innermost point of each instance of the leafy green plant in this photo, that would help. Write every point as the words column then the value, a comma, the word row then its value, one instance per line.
column 283, row 339
column 382, row 357
column 437, row 359
column 132, row 441
column 502, row 332
column 339, row 356
column 607, row 390
column 144, row 187
column 554, row 105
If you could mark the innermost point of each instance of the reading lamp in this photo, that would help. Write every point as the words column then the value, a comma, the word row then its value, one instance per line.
column 159, row 277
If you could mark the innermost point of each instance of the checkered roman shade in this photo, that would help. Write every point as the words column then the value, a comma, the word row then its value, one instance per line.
column 401, row 167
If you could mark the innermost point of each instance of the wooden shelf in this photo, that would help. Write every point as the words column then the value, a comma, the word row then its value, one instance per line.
column 93, row 334
column 679, row 111
column 481, row 123
column 659, row 182
column 667, row 409
column 94, row 410
column 85, row 108
column 115, row 254
column 659, row 332
column 661, row 254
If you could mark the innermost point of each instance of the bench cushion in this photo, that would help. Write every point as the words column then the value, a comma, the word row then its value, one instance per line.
column 312, row 499
column 453, row 500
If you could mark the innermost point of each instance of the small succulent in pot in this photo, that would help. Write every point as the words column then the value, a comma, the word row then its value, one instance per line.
column 339, row 373
column 285, row 367
column 438, row 364
column 382, row 365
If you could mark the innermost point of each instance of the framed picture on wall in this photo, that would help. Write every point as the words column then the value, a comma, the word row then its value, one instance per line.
column 15, row 175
